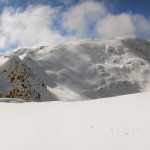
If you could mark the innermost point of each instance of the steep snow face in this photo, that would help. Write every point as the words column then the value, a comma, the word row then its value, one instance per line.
column 92, row 69
column 18, row 80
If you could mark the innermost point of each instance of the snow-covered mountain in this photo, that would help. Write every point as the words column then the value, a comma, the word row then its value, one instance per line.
column 86, row 69
column 18, row 80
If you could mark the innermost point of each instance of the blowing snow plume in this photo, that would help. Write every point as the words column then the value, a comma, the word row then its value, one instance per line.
column 87, row 69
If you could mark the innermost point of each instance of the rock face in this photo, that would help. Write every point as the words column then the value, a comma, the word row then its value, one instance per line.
column 18, row 80
column 83, row 70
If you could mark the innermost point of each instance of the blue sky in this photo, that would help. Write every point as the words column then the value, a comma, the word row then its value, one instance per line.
column 30, row 23
column 136, row 6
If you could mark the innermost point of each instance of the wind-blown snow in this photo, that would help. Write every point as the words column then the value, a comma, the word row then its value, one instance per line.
column 90, row 69
column 118, row 123
column 86, row 69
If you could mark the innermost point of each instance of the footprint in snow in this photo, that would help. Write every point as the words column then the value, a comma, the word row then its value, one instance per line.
column 93, row 126
column 124, row 132
column 112, row 130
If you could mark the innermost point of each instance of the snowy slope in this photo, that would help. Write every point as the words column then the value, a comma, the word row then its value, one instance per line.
column 18, row 80
column 90, row 69
column 118, row 123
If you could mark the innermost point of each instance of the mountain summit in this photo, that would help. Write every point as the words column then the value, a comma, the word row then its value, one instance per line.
column 87, row 69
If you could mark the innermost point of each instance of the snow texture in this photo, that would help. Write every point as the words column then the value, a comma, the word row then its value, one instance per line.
column 117, row 123
column 84, row 70
column 20, row 81
column 91, row 69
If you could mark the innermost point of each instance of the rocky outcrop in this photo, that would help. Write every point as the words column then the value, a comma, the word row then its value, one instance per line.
column 18, row 80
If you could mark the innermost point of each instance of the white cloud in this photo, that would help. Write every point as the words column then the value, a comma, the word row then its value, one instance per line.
column 122, row 25
column 115, row 25
column 141, row 24
column 78, row 18
column 104, row 23
column 29, row 28
column 33, row 26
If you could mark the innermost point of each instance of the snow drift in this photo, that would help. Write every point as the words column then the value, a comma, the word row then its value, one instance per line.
column 116, row 123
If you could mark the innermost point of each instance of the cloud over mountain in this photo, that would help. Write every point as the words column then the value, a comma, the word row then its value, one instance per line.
column 46, row 25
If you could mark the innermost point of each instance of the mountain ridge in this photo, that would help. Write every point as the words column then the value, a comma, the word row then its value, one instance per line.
column 91, row 69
